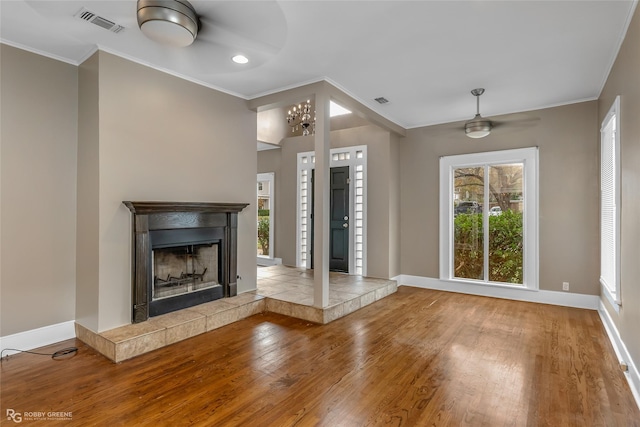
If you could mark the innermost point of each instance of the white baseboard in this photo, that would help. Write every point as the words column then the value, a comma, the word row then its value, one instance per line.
column 632, row 375
column 507, row 292
column 268, row 262
column 28, row 340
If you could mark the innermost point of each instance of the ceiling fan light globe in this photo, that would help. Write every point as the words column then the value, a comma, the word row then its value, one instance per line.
column 477, row 128
column 478, row 134
column 167, row 33
column 173, row 22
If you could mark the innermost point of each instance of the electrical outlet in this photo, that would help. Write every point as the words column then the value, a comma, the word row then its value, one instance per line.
column 565, row 286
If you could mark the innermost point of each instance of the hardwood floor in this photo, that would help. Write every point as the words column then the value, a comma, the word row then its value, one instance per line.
column 415, row 358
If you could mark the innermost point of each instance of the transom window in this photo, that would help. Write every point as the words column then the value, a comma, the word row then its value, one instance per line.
column 488, row 218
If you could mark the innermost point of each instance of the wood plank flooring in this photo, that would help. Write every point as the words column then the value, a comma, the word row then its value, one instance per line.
column 415, row 358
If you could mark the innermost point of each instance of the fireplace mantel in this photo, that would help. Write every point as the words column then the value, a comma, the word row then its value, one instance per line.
column 149, row 216
column 146, row 208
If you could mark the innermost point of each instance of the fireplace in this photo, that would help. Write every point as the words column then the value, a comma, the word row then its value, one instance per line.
column 184, row 254
column 186, row 268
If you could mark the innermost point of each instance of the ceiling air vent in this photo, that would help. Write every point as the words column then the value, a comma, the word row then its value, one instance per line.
column 381, row 100
column 87, row 15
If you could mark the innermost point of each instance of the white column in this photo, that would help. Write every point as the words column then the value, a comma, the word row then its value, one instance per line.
column 321, row 203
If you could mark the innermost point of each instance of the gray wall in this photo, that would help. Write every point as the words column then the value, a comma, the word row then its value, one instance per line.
column 567, row 138
column 38, row 190
column 624, row 80
column 383, row 177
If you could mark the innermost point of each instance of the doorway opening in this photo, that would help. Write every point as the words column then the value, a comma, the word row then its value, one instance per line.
column 348, row 200
column 266, row 216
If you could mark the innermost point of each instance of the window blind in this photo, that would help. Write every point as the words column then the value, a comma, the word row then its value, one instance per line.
column 609, row 196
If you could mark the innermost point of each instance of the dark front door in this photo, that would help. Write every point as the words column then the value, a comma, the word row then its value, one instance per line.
column 338, row 218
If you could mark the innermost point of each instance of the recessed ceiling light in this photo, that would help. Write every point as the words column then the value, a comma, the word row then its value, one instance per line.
column 240, row 59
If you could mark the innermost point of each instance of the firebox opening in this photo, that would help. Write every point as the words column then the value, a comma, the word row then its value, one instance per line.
column 186, row 268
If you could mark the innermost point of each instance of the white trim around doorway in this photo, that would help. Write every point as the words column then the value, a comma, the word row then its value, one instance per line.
column 356, row 158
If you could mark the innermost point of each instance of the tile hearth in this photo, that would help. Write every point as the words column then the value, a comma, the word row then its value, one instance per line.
column 283, row 290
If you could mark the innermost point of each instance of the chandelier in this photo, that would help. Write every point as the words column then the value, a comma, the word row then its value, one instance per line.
column 299, row 116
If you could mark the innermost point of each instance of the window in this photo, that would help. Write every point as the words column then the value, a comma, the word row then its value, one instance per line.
column 609, row 203
column 489, row 218
column 265, row 214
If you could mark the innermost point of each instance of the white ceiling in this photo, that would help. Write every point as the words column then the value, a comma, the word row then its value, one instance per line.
column 423, row 56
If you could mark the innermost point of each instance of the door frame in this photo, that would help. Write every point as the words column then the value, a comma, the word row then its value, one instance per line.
column 356, row 158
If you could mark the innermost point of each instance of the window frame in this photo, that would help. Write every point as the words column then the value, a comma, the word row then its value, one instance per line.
column 613, row 295
column 529, row 158
column 270, row 178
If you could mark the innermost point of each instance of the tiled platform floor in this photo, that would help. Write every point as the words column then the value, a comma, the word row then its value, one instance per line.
column 280, row 289
column 289, row 291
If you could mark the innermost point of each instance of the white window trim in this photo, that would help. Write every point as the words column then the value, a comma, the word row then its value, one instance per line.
column 613, row 295
column 270, row 177
column 352, row 162
column 529, row 158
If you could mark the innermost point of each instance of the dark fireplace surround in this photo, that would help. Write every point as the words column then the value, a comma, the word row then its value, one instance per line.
column 160, row 227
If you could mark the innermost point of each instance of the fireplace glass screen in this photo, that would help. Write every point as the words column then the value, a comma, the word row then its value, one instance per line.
column 184, row 269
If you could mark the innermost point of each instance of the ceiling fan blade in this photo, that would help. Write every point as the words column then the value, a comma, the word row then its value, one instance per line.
column 516, row 121
column 249, row 27
column 443, row 130
column 214, row 33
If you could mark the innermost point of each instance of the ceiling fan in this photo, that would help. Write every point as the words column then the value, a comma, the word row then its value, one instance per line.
column 174, row 23
column 215, row 28
column 479, row 126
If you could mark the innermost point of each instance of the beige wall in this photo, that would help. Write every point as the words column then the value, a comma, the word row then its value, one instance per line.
column 379, row 168
column 87, row 241
column 272, row 126
column 381, row 262
column 283, row 163
column 567, row 138
column 38, row 195
column 624, row 80
column 160, row 138
column 394, row 206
